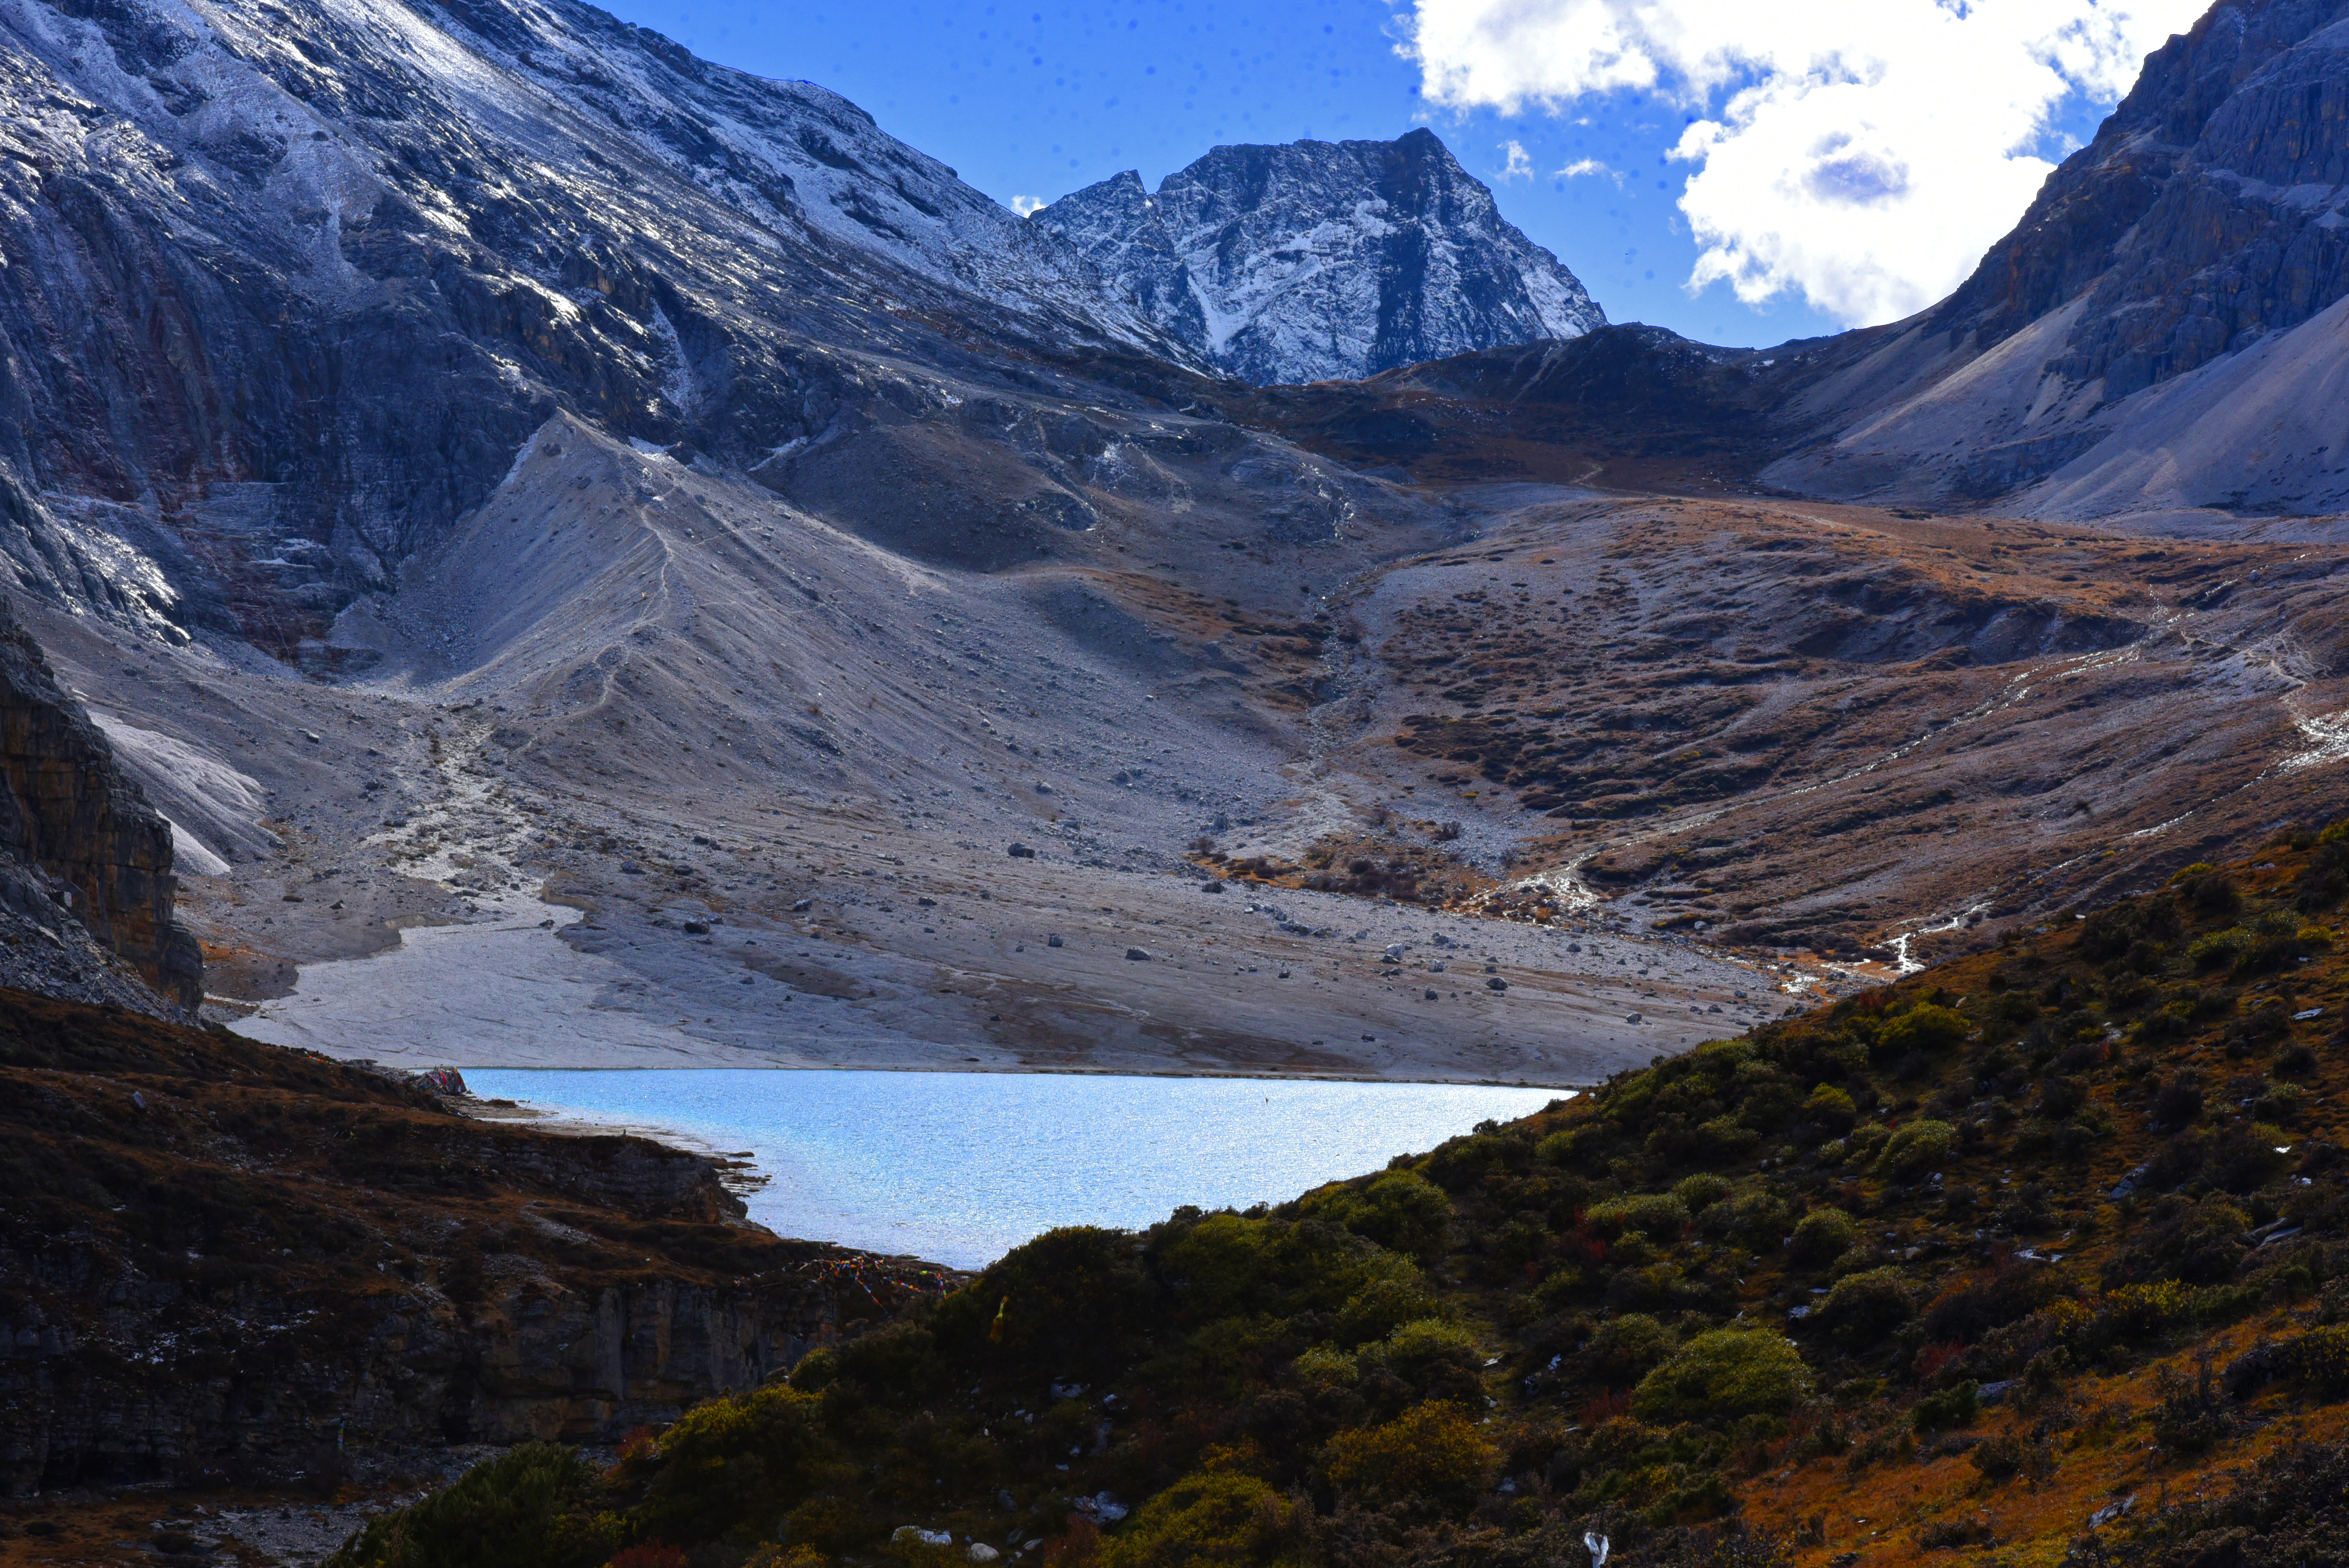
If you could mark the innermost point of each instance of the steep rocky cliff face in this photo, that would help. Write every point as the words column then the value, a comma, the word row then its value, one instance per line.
column 1322, row 261
column 2206, row 214
column 218, row 1258
column 86, row 883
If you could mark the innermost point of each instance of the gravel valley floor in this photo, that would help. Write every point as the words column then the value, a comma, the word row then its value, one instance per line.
column 710, row 781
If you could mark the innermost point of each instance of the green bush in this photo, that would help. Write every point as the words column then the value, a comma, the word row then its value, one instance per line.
column 1831, row 1110
column 2140, row 1311
column 1066, row 1301
column 2209, row 888
column 1326, row 1366
column 1398, row 1210
column 901, row 1358
column 520, row 1509
column 1224, row 1262
column 1724, row 1372
column 2320, row 1360
column 1938, row 1412
column 2215, row 949
column 1867, row 1141
column 1863, row 1308
column 746, row 1460
column 1916, row 1146
column 1655, row 1214
column 1724, row 1140
column 1699, row 1191
column 1566, row 1145
column 1755, row 1218
column 1433, row 1452
column 1462, row 1163
column 1416, row 1348
column 1392, row 1297
column 1923, row 1028
column 1998, row 1457
column 1228, row 1265
column 1764, row 1096
column 1213, row 1517
column 1823, row 1236
column 1627, row 1348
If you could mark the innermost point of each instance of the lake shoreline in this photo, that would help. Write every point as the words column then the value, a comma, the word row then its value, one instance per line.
column 978, row 1069
column 959, row 1168
column 531, row 984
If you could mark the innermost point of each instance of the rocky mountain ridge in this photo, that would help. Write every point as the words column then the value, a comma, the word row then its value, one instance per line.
column 2154, row 346
column 551, row 509
column 1322, row 261
column 273, row 325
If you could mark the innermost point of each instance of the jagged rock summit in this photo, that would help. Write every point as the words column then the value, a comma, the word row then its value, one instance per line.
column 1322, row 260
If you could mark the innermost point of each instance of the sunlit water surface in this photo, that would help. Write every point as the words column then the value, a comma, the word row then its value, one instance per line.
column 959, row 1168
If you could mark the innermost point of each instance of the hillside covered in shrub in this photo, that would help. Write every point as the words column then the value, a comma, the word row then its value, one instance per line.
column 2038, row 1258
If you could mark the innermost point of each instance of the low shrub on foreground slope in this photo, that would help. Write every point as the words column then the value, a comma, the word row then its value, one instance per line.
column 2051, row 1234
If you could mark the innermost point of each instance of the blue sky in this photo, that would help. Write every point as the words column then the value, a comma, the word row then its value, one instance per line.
column 1037, row 99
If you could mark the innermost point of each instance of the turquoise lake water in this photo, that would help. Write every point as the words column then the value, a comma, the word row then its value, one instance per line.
column 959, row 1168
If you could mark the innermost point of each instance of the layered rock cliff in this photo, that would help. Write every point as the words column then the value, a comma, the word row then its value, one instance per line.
column 86, row 884
column 224, row 1259
column 1322, row 261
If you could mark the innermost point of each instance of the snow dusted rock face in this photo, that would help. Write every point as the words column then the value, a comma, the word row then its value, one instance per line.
column 284, row 288
column 1322, row 261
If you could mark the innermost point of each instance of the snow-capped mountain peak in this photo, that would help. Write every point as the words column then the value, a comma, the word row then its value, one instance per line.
column 1320, row 260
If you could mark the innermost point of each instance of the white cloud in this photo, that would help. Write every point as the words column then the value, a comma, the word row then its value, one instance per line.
column 1863, row 153
column 1520, row 165
column 1029, row 206
column 1586, row 168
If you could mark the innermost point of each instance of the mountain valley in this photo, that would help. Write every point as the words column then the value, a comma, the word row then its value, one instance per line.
column 526, row 548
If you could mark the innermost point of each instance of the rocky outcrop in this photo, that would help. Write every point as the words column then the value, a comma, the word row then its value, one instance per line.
column 223, row 1259
column 79, row 846
column 273, row 1382
column 1322, row 261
